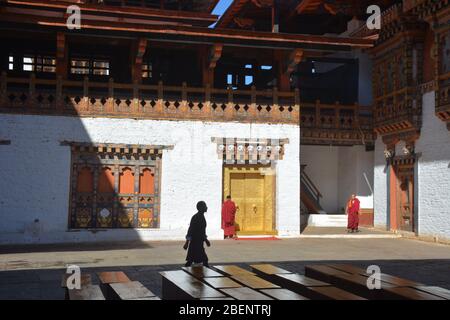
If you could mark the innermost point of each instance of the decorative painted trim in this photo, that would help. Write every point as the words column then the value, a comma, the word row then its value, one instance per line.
column 123, row 149
column 250, row 151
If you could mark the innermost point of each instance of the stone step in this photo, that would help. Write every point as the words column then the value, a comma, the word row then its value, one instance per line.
column 327, row 220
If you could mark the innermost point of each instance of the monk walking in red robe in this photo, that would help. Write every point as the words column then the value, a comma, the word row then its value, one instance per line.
column 353, row 214
column 228, row 216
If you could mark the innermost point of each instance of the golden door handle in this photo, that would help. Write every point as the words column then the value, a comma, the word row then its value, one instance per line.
column 255, row 208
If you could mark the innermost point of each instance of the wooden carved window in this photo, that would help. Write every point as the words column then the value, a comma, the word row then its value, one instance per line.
column 86, row 66
column 114, row 188
column 147, row 70
column 39, row 63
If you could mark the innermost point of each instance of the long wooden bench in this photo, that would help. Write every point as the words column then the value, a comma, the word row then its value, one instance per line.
column 231, row 270
column 179, row 285
column 88, row 292
column 313, row 288
column 407, row 293
column 267, row 269
column 221, row 282
column 389, row 285
column 245, row 293
column 348, row 268
column 133, row 290
column 357, row 284
column 283, row 294
column 397, row 281
column 85, row 279
column 201, row 272
column 437, row 291
column 109, row 277
column 323, row 273
column 333, row 293
column 254, row 282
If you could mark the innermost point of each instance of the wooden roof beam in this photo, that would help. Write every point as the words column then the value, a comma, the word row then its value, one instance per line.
column 243, row 38
column 308, row 5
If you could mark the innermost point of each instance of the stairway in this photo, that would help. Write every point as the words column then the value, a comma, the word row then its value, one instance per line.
column 309, row 194
column 327, row 220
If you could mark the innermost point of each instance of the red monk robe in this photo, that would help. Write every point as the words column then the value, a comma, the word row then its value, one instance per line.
column 228, row 215
column 353, row 213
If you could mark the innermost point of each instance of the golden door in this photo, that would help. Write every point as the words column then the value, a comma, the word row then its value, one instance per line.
column 252, row 193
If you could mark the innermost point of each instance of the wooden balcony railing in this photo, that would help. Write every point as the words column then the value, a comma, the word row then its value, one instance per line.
column 443, row 103
column 336, row 124
column 110, row 99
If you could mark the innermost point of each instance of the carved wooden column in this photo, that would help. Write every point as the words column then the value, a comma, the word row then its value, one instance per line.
column 286, row 64
column 139, row 49
column 61, row 55
column 210, row 56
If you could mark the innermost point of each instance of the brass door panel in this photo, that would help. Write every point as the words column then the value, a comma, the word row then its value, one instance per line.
column 253, row 195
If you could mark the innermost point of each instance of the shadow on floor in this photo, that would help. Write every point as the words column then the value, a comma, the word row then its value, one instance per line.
column 97, row 246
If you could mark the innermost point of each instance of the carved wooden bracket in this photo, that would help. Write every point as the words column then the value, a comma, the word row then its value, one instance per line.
column 263, row 3
column 244, row 23
column 141, row 48
column 294, row 59
column 215, row 54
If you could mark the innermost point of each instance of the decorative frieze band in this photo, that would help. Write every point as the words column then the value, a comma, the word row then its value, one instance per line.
column 250, row 151
column 122, row 149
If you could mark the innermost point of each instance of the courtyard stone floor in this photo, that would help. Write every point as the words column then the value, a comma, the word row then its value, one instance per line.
column 34, row 272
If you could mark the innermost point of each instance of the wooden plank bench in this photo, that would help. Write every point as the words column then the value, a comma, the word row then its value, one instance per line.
column 231, row 270
column 313, row 288
column 245, row 293
column 407, row 293
column 254, row 282
column 283, row 294
column 88, row 292
column 201, row 272
column 107, row 278
column 322, row 272
column 268, row 269
column 348, row 268
column 133, row 290
column 85, row 279
column 304, row 285
column 221, row 282
column 437, row 291
column 396, row 281
column 333, row 293
column 357, row 284
column 179, row 285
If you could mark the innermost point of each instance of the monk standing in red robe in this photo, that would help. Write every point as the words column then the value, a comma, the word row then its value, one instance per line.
column 228, row 216
column 353, row 214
